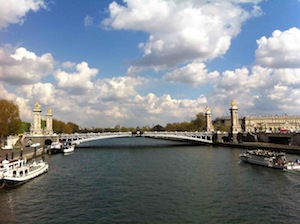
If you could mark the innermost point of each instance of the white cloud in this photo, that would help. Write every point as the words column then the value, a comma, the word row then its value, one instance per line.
column 118, row 88
column 6, row 94
column 21, row 53
column 68, row 65
column 287, row 76
column 42, row 92
column 193, row 74
column 23, row 66
column 258, row 91
column 77, row 82
column 14, row 11
column 180, row 31
column 282, row 50
column 88, row 20
column 166, row 109
column 240, row 80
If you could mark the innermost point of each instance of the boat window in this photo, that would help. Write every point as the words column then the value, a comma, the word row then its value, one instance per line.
column 14, row 173
column 26, row 172
column 21, row 173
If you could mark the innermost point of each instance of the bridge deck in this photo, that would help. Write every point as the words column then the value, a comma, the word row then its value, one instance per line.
column 200, row 137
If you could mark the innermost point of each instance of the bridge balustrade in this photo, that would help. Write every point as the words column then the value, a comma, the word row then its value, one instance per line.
column 205, row 137
column 78, row 138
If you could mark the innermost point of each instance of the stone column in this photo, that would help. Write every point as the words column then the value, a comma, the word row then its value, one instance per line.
column 37, row 126
column 209, row 125
column 235, row 127
column 49, row 122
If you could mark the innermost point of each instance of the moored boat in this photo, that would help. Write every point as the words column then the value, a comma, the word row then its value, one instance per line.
column 272, row 159
column 265, row 158
column 293, row 165
column 68, row 149
column 14, row 173
column 55, row 147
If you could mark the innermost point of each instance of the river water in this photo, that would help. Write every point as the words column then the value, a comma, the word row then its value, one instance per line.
column 140, row 180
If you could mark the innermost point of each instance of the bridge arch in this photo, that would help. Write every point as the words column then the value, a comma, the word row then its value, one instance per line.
column 195, row 137
column 77, row 139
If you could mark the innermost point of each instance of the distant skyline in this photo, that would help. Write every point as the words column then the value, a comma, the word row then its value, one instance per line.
column 102, row 63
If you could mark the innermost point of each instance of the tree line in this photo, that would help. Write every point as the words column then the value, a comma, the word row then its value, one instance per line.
column 11, row 124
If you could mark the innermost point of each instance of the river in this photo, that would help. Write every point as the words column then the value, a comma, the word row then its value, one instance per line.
column 141, row 180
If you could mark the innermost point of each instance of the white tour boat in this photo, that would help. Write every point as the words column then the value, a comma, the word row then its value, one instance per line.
column 265, row 158
column 68, row 147
column 272, row 159
column 293, row 165
column 14, row 173
column 55, row 147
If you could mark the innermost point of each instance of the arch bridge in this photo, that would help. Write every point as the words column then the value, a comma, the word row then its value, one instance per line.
column 195, row 137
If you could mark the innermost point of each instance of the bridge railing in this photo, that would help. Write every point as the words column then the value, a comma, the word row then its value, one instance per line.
column 206, row 137
column 92, row 134
column 82, row 137
column 78, row 138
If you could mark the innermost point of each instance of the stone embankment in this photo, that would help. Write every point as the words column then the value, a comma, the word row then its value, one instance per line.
column 261, row 145
column 28, row 153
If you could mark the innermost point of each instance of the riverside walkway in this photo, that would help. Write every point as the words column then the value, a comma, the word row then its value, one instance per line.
column 27, row 153
column 293, row 149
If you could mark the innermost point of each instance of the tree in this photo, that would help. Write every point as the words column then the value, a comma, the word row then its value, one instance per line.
column 25, row 127
column 199, row 123
column 62, row 127
column 158, row 128
column 74, row 127
column 58, row 126
column 10, row 122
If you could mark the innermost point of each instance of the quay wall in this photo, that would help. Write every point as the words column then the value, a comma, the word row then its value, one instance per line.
column 16, row 153
column 285, row 142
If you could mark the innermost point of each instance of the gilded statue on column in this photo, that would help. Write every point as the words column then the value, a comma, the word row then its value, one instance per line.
column 49, row 111
column 207, row 109
column 233, row 103
column 37, row 106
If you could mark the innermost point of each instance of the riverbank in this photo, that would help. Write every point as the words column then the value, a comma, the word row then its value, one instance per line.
column 28, row 152
column 261, row 145
column 14, row 154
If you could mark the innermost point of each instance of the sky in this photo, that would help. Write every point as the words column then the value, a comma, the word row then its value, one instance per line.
column 103, row 63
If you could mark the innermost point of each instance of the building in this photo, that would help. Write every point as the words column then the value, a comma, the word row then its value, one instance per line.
column 275, row 123
column 269, row 124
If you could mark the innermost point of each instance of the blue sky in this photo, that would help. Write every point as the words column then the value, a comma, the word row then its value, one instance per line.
column 102, row 63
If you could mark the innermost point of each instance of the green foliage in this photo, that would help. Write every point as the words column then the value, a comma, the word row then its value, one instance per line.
column 25, row 127
column 158, row 128
column 183, row 126
column 62, row 127
column 223, row 127
column 43, row 124
column 221, row 124
column 199, row 124
column 10, row 122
